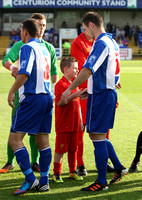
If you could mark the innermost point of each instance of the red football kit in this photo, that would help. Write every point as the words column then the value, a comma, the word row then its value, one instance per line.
column 67, row 118
column 67, row 125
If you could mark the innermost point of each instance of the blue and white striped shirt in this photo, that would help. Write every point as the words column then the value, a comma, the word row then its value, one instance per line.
column 35, row 61
column 104, row 62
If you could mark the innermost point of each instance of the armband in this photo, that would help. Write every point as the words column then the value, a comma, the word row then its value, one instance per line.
column 11, row 67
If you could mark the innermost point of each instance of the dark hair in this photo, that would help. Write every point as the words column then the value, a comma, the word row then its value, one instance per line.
column 66, row 62
column 94, row 18
column 38, row 16
column 32, row 26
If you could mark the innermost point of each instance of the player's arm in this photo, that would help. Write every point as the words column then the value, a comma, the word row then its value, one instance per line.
column 84, row 74
column 20, row 80
column 70, row 98
column 54, row 79
column 10, row 66
column 11, row 57
column 13, row 54
column 118, row 86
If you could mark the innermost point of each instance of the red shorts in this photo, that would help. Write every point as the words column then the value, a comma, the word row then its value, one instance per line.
column 83, row 104
column 66, row 141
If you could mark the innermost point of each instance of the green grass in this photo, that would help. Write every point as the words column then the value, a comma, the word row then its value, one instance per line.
column 128, row 124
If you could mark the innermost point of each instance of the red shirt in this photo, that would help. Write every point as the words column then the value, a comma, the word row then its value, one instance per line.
column 80, row 49
column 67, row 117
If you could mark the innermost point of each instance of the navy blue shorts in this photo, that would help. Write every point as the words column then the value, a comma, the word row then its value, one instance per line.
column 34, row 114
column 101, row 111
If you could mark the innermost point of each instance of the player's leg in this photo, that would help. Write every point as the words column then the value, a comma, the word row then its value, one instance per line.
column 119, row 168
column 10, row 162
column 80, row 149
column 109, row 167
column 10, row 154
column 72, row 155
column 42, row 140
column 44, row 104
column 136, row 160
column 81, row 170
column 60, row 148
column 57, row 170
column 22, row 157
column 97, row 126
column 101, row 158
column 34, row 154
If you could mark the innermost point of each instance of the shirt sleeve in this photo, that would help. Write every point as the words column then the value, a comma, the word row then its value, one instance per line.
column 97, row 56
column 13, row 54
column 27, row 58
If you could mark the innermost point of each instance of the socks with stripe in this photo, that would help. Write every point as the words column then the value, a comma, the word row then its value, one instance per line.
column 101, row 158
column 112, row 155
column 44, row 163
column 23, row 161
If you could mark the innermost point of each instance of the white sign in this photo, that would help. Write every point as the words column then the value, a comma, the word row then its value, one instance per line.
column 125, row 54
column 7, row 3
column 68, row 33
column 132, row 3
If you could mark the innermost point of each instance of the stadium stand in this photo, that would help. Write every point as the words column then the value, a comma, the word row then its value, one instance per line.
column 4, row 44
column 136, row 50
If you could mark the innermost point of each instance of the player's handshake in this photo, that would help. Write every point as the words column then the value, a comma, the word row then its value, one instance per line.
column 14, row 70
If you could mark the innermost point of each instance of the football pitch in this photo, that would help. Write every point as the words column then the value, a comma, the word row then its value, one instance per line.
column 128, row 124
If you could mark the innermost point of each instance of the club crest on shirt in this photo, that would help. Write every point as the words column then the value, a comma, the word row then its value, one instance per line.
column 62, row 146
column 23, row 63
column 92, row 59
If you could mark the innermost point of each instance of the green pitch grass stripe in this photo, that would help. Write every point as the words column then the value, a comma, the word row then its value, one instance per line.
column 130, row 102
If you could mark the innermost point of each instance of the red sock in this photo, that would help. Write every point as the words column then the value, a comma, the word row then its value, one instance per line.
column 80, row 149
column 57, row 168
column 72, row 157
column 107, row 136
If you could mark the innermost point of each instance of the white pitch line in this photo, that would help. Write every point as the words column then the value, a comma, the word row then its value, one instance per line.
column 130, row 102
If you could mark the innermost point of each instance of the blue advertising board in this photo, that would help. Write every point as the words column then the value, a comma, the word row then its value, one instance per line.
column 139, row 4
column 71, row 4
column 0, row 3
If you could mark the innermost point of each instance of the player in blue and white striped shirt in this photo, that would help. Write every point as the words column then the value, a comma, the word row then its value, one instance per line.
column 102, row 71
column 34, row 114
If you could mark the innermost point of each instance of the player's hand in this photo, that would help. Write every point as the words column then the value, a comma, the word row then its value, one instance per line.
column 53, row 96
column 84, row 94
column 82, row 126
column 10, row 100
column 14, row 71
column 65, row 95
column 78, row 93
column 118, row 86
